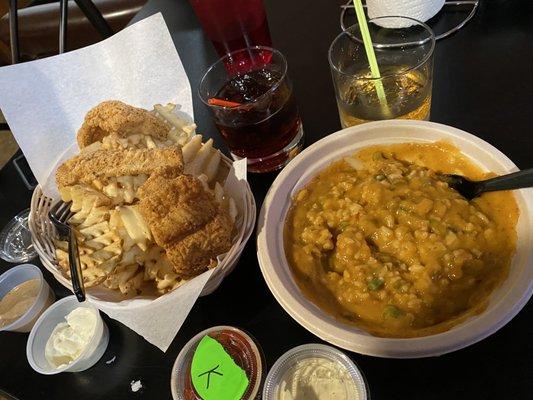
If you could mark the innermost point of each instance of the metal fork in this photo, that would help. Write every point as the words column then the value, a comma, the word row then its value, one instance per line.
column 59, row 215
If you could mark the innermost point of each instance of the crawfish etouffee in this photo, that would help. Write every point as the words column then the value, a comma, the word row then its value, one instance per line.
column 379, row 241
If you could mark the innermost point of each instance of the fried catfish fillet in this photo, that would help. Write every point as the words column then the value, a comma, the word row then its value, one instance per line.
column 175, row 208
column 186, row 221
column 116, row 118
column 191, row 255
column 102, row 164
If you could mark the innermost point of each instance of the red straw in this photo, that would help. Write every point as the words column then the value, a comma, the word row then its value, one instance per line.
column 223, row 103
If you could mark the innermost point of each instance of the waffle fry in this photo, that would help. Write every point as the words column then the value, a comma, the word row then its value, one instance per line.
column 181, row 130
column 136, row 226
column 126, row 278
column 123, row 189
column 201, row 158
column 158, row 269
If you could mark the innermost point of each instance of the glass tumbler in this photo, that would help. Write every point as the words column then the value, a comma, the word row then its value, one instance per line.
column 250, row 96
column 404, row 52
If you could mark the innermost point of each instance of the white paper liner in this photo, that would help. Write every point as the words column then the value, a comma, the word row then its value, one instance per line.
column 159, row 320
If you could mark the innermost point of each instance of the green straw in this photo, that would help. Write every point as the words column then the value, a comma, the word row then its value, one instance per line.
column 369, row 48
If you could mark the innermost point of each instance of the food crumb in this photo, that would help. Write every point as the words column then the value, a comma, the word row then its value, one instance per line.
column 111, row 360
column 136, row 386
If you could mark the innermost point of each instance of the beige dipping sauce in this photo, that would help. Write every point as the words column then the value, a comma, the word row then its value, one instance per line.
column 18, row 300
column 317, row 379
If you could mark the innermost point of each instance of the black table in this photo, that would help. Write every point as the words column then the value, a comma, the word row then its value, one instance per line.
column 482, row 84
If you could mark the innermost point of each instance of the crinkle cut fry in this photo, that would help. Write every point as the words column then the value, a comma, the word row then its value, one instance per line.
column 102, row 164
column 119, row 119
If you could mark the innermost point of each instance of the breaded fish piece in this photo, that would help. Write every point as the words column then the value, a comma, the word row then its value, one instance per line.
column 114, row 117
column 191, row 255
column 102, row 164
column 174, row 208
column 186, row 221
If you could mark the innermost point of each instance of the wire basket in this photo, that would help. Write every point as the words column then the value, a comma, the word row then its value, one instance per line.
column 43, row 233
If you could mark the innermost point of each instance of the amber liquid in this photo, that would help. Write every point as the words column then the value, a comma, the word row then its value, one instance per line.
column 408, row 96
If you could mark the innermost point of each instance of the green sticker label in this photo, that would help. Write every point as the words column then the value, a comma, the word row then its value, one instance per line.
column 214, row 374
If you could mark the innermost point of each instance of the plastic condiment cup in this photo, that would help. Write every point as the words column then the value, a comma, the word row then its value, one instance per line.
column 16, row 245
column 284, row 367
column 181, row 368
column 43, row 329
column 16, row 276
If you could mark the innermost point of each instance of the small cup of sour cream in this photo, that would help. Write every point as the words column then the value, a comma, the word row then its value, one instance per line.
column 24, row 295
column 314, row 371
column 68, row 337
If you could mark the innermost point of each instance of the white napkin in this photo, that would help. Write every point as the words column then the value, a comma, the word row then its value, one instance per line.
column 421, row 10
column 45, row 102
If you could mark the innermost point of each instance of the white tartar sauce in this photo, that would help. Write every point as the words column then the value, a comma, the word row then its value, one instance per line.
column 69, row 339
column 318, row 379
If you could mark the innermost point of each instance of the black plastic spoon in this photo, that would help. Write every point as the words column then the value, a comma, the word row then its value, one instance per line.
column 470, row 189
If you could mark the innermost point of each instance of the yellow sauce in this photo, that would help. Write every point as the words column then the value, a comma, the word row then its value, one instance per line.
column 379, row 241
column 18, row 300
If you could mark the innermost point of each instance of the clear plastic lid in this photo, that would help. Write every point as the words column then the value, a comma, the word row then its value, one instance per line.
column 15, row 240
column 287, row 365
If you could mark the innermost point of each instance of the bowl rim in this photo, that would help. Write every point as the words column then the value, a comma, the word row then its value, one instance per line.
column 319, row 323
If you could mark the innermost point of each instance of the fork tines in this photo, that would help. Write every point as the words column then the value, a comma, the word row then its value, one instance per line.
column 60, row 212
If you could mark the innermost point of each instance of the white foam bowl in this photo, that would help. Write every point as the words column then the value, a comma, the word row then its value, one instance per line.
column 505, row 302
column 14, row 277
column 43, row 329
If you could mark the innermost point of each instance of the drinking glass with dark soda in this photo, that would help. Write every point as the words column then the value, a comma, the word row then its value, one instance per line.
column 253, row 106
column 233, row 24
